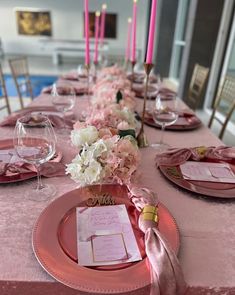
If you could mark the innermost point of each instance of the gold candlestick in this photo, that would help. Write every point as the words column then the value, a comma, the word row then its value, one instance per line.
column 87, row 67
column 133, row 72
column 96, row 64
column 141, row 138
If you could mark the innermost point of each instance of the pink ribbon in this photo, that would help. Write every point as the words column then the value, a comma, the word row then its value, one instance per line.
column 166, row 274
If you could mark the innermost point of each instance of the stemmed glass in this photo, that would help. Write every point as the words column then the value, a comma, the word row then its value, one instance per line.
column 63, row 98
column 34, row 142
column 82, row 73
column 165, row 113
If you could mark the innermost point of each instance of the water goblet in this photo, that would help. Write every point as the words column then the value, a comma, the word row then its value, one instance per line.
column 63, row 98
column 164, row 114
column 34, row 143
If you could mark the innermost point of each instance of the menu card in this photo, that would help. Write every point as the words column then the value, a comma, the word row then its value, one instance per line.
column 204, row 171
column 9, row 156
column 105, row 236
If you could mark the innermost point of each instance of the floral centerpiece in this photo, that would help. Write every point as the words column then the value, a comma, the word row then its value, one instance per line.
column 113, row 115
column 104, row 156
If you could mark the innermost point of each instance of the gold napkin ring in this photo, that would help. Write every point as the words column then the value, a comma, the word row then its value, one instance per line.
column 150, row 213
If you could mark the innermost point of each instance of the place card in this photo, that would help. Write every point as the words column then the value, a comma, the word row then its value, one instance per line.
column 182, row 121
column 204, row 171
column 105, row 236
column 10, row 156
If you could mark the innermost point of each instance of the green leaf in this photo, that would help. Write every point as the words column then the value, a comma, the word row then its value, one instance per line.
column 119, row 96
column 123, row 133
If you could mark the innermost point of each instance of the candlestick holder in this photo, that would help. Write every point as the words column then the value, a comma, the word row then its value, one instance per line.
column 126, row 64
column 87, row 67
column 96, row 65
column 141, row 138
column 133, row 63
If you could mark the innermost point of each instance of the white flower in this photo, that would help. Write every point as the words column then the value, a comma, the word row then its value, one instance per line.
column 93, row 172
column 75, row 168
column 129, row 117
column 84, row 136
column 99, row 148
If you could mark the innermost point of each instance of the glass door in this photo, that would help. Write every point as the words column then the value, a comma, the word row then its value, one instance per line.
column 179, row 39
column 228, row 69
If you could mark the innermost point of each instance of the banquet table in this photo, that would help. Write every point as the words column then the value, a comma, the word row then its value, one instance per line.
column 206, row 224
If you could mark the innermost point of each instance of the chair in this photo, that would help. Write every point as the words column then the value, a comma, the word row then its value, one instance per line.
column 20, row 73
column 3, row 93
column 197, row 86
column 225, row 103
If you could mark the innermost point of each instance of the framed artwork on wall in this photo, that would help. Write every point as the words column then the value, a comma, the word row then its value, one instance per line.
column 110, row 25
column 33, row 22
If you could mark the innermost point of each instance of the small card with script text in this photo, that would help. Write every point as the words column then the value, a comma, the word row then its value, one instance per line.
column 105, row 236
column 204, row 171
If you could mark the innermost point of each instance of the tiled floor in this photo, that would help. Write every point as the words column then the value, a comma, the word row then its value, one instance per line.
column 44, row 66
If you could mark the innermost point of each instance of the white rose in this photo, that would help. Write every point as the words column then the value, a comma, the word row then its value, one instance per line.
column 99, row 148
column 75, row 168
column 84, row 136
column 129, row 116
column 93, row 172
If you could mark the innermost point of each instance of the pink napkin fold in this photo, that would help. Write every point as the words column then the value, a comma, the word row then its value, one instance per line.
column 49, row 169
column 166, row 274
column 72, row 76
column 176, row 157
column 153, row 91
column 56, row 120
column 79, row 88
column 140, row 77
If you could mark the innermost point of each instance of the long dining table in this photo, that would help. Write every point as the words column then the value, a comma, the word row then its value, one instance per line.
column 206, row 224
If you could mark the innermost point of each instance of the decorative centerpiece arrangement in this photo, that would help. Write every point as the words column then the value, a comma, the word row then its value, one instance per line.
column 108, row 151
column 104, row 156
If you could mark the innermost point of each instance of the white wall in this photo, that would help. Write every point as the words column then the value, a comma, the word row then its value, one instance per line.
column 67, row 21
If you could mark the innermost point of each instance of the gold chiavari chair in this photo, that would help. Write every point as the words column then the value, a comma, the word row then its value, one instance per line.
column 3, row 94
column 224, row 103
column 20, row 73
column 197, row 86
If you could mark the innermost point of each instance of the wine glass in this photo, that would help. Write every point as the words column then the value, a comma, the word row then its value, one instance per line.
column 63, row 98
column 34, row 142
column 165, row 113
column 84, row 75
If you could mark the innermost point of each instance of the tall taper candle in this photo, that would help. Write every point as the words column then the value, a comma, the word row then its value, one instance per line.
column 128, row 46
column 102, row 29
column 87, row 55
column 133, row 55
column 97, row 20
column 149, row 55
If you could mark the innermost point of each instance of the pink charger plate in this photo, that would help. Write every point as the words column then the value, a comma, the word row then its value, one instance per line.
column 4, row 179
column 193, row 122
column 212, row 189
column 54, row 244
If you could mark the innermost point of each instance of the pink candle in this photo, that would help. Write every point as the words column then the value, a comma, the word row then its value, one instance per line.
column 97, row 19
column 149, row 55
column 87, row 53
column 102, row 29
column 133, row 55
column 128, row 47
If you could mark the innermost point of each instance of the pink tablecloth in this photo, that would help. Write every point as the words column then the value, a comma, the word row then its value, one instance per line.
column 206, row 225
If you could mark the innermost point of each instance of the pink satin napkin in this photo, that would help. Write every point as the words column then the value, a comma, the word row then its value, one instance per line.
column 140, row 77
column 56, row 120
column 72, row 76
column 49, row 169
column 79, row 88
column 176, row 157
column 153, row 91
column 166, row 274
column 185, row 117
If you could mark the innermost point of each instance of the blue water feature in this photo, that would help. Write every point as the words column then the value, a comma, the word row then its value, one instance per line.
column 38, row 83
